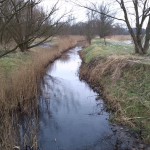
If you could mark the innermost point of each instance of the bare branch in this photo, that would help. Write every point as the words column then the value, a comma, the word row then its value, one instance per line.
column 97, row 11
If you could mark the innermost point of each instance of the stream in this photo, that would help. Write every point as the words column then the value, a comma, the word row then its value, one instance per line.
column 72, row 117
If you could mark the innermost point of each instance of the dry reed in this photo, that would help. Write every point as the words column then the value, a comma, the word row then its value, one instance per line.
column 123, row 80
column 113, row 67
column 119, row 37
column 19, row 95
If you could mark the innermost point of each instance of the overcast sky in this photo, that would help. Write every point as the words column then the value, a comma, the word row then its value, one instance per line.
column 80, row 13
column 66, row 6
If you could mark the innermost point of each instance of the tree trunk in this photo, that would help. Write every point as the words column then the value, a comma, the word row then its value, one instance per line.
column 90, row 41
column 146, row 47
column 105, row 41
column 23, row 47
column 137, row 45
column 138, row 50
column 147, row 38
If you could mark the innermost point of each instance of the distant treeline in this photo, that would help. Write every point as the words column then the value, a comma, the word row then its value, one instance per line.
column 80, row 28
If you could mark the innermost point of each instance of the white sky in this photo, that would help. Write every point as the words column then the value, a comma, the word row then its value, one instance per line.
column 80, row 13
column 66, row 6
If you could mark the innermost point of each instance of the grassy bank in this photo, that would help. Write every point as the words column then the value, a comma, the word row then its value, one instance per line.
column 20, row 77
column 124, row 80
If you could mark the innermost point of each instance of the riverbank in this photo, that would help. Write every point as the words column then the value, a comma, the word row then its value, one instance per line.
column 123, row 79
column 20, row 78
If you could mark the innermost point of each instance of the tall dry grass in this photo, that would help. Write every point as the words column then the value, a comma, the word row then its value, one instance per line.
column 124, row 82
column 119, row 37
column 19, row 96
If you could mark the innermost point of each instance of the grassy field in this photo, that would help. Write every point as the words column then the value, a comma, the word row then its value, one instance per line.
column 124, row 80
column 13, row 61
column 99, row 49
column 20, row 79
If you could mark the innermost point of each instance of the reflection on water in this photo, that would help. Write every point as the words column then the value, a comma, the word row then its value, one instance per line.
column 71, row 117
column 29, row 127
column 20, row 132
column 68, row 116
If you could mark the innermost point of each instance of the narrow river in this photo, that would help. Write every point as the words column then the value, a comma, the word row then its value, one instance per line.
column 71, row 115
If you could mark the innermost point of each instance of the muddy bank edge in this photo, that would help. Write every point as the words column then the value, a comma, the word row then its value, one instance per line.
column 117, row 81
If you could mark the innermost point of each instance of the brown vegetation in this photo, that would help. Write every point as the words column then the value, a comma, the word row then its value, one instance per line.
column 124, row 82
column 20, row 91
column 119, row 37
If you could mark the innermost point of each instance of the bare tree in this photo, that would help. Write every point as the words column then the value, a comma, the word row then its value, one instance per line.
column 67, row 25
column 4, row 35
column 89, row 26
column 140, row 13
column 118, row 29
column 28, row 23
column 104, row 23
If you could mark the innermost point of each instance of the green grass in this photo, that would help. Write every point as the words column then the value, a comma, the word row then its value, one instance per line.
column 99, row 49
column 131, row 90
column 12, row 61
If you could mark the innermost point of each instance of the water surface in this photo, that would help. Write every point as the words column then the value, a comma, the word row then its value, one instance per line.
column 71, row 116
